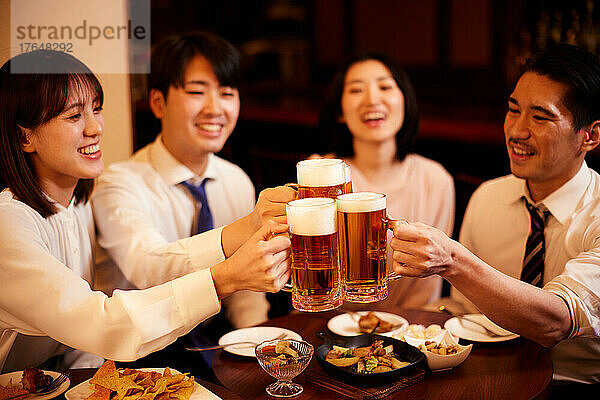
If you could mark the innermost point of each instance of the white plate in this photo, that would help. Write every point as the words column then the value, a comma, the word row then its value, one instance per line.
column 347, row 324
column 16, row 376
column 257, row 334
column 475, row 333
column 85, row 389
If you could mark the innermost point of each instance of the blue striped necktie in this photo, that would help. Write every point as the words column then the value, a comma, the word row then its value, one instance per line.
column 535, row 249
column 204, row 220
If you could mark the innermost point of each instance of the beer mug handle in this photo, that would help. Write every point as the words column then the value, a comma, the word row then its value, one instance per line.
column 390, row 224
column 287, row 287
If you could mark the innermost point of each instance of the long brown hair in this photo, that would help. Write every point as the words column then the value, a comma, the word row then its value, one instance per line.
column 35, row 88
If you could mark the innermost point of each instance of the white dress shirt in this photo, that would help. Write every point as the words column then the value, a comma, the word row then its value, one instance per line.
column 495, row 228
column 144, row 218
column 45, row 275
column 421, row 191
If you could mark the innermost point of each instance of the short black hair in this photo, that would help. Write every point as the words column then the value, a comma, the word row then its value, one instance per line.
column 579, row 70
column 171, row 56
column 35, row 88
column 331, row 110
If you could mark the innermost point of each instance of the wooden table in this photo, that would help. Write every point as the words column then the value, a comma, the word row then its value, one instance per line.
column 517, row 369
column 76, row 376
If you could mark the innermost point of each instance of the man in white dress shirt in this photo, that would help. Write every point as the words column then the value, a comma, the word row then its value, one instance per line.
column 144, row 212
column 552, row 122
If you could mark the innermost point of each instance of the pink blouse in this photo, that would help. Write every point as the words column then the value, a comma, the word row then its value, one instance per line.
column 421, row 191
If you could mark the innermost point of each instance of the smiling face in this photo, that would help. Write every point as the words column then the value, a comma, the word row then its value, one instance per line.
column 542, row 145
column 372, row 103
column 197, row 118
column 67, row 147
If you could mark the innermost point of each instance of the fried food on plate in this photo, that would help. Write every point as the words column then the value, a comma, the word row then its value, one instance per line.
column 32, row 380
column 372, row 323
column 132, row 384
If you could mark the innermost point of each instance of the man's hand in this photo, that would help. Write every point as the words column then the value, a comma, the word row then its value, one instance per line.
column 261, row 264
column 421, row 250
column 537, row 314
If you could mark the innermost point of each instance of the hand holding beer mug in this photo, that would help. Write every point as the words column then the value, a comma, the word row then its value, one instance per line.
column 322, row 177
column 362, row 233
column 315, row 259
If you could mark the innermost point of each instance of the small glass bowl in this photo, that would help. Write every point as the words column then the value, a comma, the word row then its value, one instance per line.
column 284, row 373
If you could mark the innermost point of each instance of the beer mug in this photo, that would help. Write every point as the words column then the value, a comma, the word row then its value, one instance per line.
column 315, row 279
column 362, row 233
column 348, row 177
column 322, row 177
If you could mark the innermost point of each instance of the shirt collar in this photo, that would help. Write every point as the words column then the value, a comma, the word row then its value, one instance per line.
column 562, row 202
column 171, row 170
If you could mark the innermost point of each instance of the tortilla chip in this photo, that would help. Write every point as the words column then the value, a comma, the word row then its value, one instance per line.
column 162, row 396
column 106, row 368
column 159, row 387
column 171, row 380
column 133, row 396
column 183, row 384
column 146, row 382
column 183, row 393
column 125, row 386
column 108, row 381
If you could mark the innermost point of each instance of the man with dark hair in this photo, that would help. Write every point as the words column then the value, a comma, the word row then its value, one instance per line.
column 529, row 251
column 151, row 209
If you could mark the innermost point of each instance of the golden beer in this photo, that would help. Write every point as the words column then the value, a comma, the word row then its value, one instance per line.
column 321, row 191
column 348, row 176
column 321, row 178
column 315, row 270
column 315, row 257
column 348, row 187
column 362, row 232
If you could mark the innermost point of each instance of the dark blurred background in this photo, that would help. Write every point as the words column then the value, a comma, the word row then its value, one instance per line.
column 463, row 57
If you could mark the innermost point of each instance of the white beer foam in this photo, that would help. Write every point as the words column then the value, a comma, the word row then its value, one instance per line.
column 321, row 172
column 361, row 202
column 312, row 216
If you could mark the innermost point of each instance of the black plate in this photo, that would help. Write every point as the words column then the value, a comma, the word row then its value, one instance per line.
column 403, row 350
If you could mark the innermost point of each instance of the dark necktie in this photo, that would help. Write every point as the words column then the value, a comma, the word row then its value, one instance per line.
column 199, row 336
column 535, row 249
column 204, row 221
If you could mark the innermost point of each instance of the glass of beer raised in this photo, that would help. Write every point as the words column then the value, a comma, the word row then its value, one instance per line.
column 322, row 177
column 362, row 233
column 315, row 258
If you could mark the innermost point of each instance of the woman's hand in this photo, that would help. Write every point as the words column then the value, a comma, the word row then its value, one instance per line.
column 269, row 207
column 261, row 264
